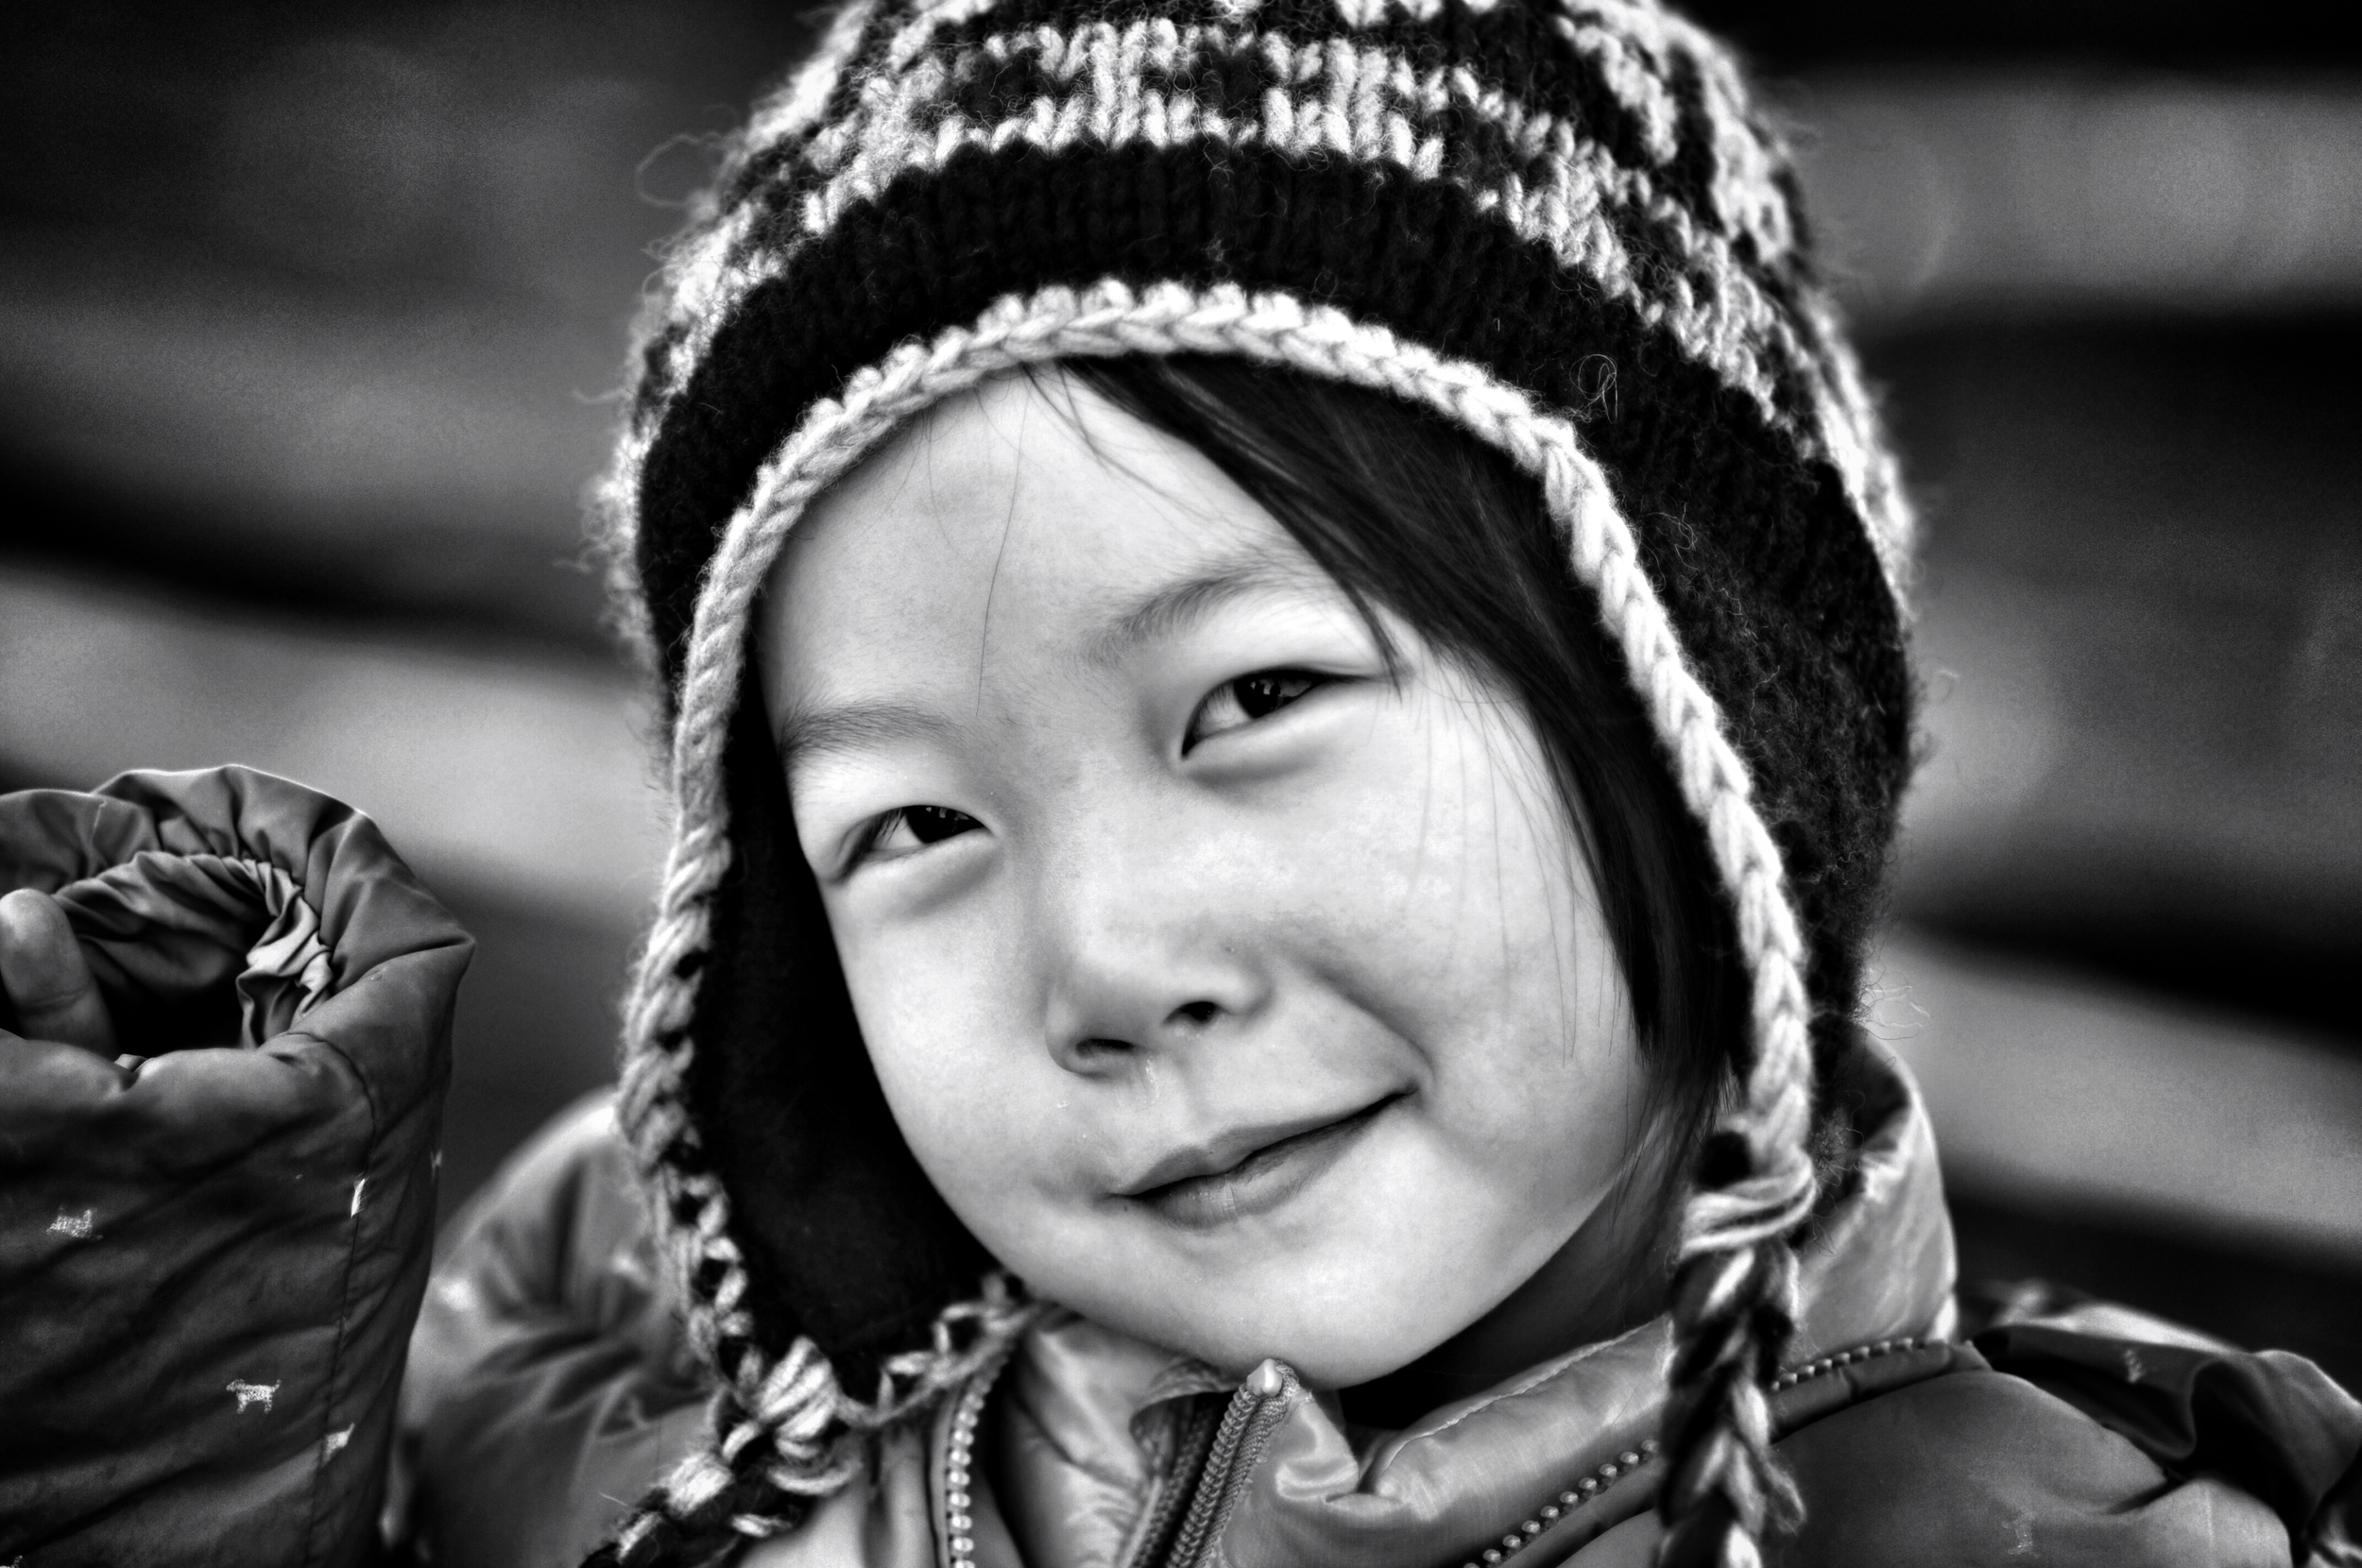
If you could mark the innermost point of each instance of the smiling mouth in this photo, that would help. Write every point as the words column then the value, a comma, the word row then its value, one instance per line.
column 1257, row 1182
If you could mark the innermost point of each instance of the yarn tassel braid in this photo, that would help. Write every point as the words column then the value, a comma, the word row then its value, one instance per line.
column 1735, row 1301
column 794, row 1437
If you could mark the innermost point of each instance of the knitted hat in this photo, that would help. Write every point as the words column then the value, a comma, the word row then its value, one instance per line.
column 1478, row 207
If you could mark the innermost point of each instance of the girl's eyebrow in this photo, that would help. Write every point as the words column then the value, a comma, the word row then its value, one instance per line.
column 1163, row 611
column 804, row 733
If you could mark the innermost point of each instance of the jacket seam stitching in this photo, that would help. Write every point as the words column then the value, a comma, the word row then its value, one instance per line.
column 1814, row 1370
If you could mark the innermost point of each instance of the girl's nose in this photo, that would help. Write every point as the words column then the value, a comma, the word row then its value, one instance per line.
column 1105, row 1044
column 1150, row 970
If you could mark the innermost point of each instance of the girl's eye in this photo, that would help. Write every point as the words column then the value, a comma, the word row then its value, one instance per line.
column 899, row 832
column 1238, row 703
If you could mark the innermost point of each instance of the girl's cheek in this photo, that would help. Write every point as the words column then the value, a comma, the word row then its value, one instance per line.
column 962, row 1126
column 948, row 1035
column 1450, row 892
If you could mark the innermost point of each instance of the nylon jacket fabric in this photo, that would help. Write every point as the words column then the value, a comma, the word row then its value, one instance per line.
column 548, row 1379
column 211, row 1259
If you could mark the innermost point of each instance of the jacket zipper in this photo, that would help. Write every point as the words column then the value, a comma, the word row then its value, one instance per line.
column 1247, row 1427
column 1230, row 1461
column 955, row 1523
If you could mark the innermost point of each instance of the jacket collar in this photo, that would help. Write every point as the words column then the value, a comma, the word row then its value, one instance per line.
column 1085, row 1433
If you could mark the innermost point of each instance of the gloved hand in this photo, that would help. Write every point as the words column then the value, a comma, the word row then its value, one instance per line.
column 221, row 1079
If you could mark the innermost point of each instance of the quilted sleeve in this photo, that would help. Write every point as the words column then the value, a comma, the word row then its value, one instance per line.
column 211, row 1248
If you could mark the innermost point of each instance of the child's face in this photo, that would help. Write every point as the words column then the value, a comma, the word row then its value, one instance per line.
column 1235, row 994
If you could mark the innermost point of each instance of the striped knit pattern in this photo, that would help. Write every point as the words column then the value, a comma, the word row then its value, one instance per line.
column 1561, row 226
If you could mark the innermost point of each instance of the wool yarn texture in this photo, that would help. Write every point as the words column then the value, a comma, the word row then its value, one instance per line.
column 1562, row 225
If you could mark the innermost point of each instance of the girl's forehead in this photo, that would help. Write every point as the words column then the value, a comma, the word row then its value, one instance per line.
column 1030, row 510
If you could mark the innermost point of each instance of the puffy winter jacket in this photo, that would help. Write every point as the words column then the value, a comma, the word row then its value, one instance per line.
column 208, row 1259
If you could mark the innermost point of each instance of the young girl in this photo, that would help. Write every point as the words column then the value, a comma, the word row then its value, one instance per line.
column 1281, row 627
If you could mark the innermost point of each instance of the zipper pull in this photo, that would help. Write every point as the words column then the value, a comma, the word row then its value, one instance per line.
column 1258, row 1406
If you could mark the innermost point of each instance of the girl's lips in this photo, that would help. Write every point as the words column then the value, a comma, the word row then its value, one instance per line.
column 1267, row 1176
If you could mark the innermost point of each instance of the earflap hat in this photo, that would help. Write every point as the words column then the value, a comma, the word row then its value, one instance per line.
column 1560, row 223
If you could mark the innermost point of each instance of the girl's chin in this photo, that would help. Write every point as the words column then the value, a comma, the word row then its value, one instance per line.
column 1323, row 1363
column 1330, row 1340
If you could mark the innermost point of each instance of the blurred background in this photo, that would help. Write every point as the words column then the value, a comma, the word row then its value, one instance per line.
column 310, row 316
